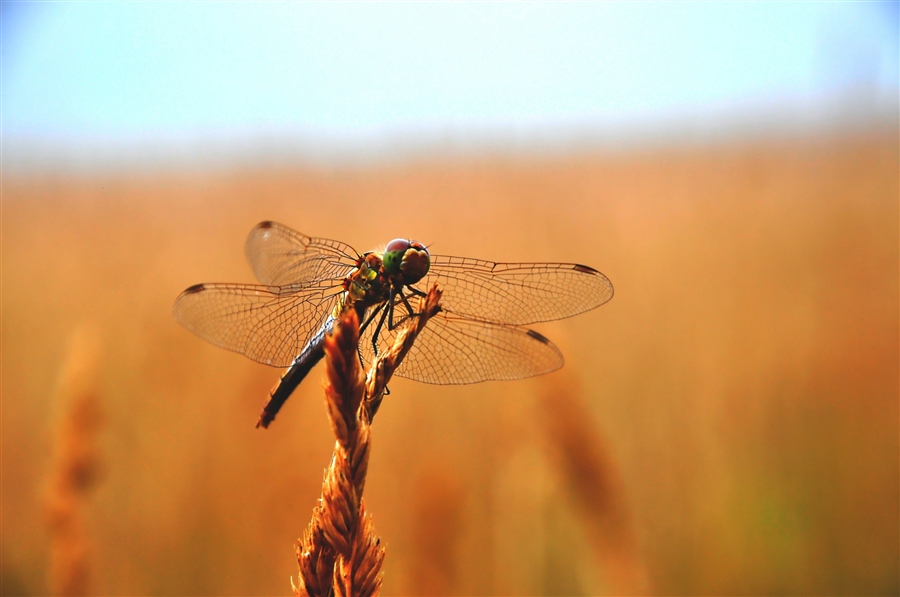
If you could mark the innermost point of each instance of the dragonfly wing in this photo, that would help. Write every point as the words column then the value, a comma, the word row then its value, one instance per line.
column 455, row 350
column 281, row 256
column 516, row 293
column 268, row 324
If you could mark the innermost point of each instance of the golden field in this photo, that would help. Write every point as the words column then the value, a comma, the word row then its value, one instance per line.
column 727, row 424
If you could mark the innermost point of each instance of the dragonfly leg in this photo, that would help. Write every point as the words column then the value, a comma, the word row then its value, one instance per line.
column 391, row 323
column 384, row 312
column 409, row 308
column 369, row 319
column 362, row 329
column 410, row 312
column 416, row 291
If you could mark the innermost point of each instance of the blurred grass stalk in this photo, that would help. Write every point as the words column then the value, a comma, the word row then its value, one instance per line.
column 76, row 466
column 592, row 480
column 339, row 553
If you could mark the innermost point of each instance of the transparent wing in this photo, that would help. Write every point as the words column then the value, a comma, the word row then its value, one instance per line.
column 268, row 324
column 280, row 256
column 516, row 293
column 454, row 350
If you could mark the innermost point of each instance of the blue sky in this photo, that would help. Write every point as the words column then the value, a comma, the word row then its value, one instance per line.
column 108, row 71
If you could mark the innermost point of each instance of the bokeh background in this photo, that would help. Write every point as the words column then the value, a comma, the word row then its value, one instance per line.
column 727, row 424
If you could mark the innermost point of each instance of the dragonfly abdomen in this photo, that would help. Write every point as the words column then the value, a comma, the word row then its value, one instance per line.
column 311, row 354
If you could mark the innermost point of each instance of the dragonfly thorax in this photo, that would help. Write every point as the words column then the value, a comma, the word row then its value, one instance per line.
column 406, row 261
column 365, row 282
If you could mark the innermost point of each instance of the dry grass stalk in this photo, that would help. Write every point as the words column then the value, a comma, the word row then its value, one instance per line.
column 592, row 479
column 77, row 465
column 315, row 558
column 340, row 553
column 383, row 368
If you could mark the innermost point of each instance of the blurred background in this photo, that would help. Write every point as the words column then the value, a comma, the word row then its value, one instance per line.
column 727, row 424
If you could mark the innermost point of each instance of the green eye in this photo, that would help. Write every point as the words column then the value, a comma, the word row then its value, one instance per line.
column 410, row 259
column 393, row 255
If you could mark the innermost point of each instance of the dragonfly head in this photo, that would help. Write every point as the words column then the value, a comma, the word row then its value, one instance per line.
column 407, row 258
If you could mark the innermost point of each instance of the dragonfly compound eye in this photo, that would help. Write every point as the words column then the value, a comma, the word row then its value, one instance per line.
column 410, row 259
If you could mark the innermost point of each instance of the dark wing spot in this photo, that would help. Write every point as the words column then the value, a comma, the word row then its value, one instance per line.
column 265, row 225
column 584, row 269
column 193, row 289
column 540, row 338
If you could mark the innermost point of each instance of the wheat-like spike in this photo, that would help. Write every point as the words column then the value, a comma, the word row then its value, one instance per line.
column 77, row 464
column 315, row 558
column 360, row 573
column 592, row 479
column 344, row 392
column 340, row 552
column 384, row 366
column 335, row 519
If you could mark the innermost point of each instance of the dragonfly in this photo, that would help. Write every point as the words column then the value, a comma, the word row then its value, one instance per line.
column 306, row 282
